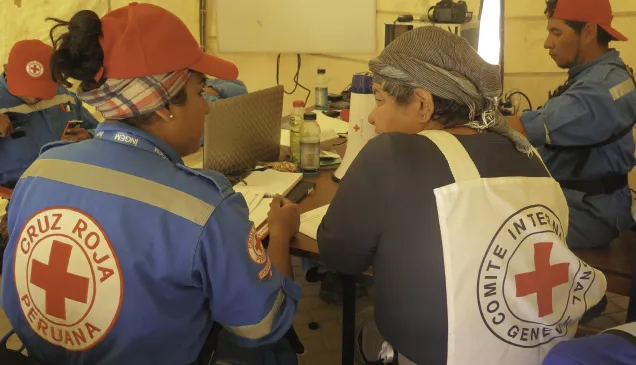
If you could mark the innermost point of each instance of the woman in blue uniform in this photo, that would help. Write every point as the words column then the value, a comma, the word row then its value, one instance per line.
column 135, row 256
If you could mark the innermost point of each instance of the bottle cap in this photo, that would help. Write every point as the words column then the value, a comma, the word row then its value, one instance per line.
column 309, row 116
column 299, row 104
column 362, row 84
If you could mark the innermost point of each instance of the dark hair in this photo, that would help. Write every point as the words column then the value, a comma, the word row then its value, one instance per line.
column 446, row 111
column 602, row 37
column 79, row 55
column 449, row 112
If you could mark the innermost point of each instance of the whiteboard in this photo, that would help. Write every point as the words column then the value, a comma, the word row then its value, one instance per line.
column 296, row 26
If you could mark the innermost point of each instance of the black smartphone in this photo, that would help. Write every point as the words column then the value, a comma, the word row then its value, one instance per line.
column 72, row 124
column 300, row 191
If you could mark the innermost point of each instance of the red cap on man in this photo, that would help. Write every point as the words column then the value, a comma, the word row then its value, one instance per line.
column 598, row 12
column 28, row 71
column 144, row 39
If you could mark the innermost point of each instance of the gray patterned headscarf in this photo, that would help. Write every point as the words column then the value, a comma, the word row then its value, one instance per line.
column 447, row 66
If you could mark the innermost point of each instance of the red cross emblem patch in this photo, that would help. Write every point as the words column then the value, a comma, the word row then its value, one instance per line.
column 545, row 278
column 531, row 288
column 35, row 69
column 68, row 278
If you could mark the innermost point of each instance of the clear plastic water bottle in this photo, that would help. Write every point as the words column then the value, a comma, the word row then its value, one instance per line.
column 322, row 90
column 310, row 146
column 295, row 123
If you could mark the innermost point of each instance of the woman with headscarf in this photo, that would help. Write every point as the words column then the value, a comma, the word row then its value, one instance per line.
column 457, row 215
column 120, row 254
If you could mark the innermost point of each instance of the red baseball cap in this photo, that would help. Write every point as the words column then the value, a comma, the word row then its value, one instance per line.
column 598, row 12
column 144, row 39
column 28, row 71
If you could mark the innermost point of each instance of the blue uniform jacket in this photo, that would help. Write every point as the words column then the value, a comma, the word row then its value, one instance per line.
column 226, row 89
column 600, row 103
column 43, row 123
column 601, row 349
column 119, row 254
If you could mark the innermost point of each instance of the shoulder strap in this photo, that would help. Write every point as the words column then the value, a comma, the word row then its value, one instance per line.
column 461, row 165
column 534, row 150
column 42, row 105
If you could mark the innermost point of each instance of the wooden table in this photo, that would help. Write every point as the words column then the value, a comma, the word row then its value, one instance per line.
column 306, row 247
column 324, row 192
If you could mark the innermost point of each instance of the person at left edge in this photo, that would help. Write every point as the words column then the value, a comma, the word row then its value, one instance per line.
column 34, row 111
column 31, row 102
column 120, row 254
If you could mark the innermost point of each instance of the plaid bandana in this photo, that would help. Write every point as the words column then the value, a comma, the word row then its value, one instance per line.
column 447, row 66
column 120, row 99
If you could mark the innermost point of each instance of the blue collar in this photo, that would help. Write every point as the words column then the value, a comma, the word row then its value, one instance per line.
column 165, row 150
column 613, row 56
column 8, row 100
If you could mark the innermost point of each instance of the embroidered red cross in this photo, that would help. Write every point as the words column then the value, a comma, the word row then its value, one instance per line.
column 356, row 128
column 35, row 69
column 57, row 282
column 543, row 279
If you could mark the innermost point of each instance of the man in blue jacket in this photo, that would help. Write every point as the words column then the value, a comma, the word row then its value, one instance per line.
column 583, row 132
column 34, row 111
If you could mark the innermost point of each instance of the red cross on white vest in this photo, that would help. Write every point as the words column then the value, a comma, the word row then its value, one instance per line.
column 543, row 279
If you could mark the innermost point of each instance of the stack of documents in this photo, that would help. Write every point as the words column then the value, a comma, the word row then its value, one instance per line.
column 310, row 221
column 259, row 185
column 329, row 160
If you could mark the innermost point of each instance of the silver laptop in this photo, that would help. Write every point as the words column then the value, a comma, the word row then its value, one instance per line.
column 243, row 130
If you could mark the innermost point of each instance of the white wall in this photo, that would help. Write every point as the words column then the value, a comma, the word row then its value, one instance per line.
column 258, row 71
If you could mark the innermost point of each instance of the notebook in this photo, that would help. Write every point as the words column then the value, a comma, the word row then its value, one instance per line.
column 265, row 182
column 310, row 221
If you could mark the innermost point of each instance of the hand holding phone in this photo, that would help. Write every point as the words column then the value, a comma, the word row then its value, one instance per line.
column 6, row 128
column 75, row 132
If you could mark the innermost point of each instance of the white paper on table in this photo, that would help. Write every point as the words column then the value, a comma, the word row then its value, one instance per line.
column 259, row 210
column 253, row 198
column 270, row 182
column 310, row 221
column 328, row 154
column 325, row 122
column 266, row 182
